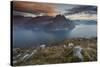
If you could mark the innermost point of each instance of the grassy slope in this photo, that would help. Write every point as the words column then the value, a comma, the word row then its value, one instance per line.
column 59, row 54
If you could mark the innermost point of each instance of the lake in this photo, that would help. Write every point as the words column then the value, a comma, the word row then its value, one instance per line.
column 27, row 38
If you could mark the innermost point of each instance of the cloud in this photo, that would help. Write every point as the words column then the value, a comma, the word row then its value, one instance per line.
column 81, row 8
column 25, row 14
column 82, row 16
column 33, row 7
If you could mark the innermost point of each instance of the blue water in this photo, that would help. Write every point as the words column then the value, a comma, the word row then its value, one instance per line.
column 27, row 38
column 85, row 31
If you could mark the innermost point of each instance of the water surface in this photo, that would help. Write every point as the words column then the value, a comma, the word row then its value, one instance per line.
column 27, row 38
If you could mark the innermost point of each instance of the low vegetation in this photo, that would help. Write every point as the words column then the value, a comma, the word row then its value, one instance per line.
column 61, row 52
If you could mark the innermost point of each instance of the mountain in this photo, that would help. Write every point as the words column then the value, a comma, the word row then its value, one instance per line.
column 20, row 19
column 60, row 23
column 87, row 22
column 47, row 23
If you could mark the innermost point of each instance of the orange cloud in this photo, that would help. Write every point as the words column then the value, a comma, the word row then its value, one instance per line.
column 34, row 7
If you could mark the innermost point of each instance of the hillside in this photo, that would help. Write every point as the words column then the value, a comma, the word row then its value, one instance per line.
column 81, row 50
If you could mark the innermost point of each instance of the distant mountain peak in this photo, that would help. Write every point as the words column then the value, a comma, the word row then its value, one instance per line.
column 49, row 23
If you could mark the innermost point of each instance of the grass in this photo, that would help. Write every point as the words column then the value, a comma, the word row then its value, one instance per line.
column 59, row 54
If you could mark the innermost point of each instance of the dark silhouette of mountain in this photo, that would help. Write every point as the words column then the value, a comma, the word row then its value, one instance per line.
column 48, row 23
column 20, row 19
column 60, row 23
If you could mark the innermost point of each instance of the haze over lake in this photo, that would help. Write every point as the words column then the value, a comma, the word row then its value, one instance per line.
column 27, row 37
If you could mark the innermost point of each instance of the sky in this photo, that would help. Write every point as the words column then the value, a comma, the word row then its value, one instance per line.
column 73, row 12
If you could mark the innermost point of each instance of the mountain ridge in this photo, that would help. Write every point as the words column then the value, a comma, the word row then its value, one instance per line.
column 59, row 22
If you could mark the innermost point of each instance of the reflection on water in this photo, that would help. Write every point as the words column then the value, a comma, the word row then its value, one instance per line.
column 26, row 38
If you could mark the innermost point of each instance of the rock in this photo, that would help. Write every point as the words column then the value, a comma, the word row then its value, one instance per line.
column 64, row 46
column 77, row 52
column 70, row 45
column 18, row 55
column 42, row 46
column 33, row 52
column 24, row 57
column 14, row 62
